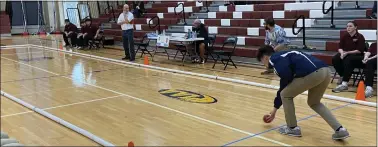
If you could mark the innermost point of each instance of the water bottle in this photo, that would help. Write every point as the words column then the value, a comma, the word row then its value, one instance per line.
column 189, row 34
column 164, row 32
column 157, row 33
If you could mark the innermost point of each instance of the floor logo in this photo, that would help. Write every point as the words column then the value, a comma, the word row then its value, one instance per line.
column 188, row 96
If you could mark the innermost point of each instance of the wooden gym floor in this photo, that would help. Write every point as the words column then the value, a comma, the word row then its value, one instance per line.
column 122, row 103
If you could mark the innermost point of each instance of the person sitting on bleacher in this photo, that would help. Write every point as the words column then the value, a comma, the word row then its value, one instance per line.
column 351, row 48
column 70, row 31
column 79, row 41
column 276, row 37
column 374, row 12
column 370, row 61
column 201, row 31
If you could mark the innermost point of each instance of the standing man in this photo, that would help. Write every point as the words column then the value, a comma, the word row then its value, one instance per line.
column 275, row 36
column 299, row 72
column 125, row 19
column 70, row 31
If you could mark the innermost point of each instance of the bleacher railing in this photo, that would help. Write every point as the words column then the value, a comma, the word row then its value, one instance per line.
column 206, row 5
column 156, row 25
column 84, row 10
column 330, row 9
column 110, row 10
column 303, row 29
column 182, row 11
column 73, row 15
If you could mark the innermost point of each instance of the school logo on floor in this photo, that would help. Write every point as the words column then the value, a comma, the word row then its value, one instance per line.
column 188, row 96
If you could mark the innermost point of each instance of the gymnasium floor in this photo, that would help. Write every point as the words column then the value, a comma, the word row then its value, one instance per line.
column 121, row 103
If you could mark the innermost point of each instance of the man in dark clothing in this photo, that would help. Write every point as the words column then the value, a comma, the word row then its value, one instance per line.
column 374, row 12
column 298, row 73
column 89, row 32
column 201, row 31
column 70, row 31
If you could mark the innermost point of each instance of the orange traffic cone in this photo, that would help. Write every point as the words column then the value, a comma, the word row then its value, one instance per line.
column 131, row 144
column 146, row 61
column 360, row 91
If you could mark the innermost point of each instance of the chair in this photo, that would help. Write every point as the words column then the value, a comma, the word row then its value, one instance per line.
column 182, row 49
column 225, row 55
column 210, row 47
column 143, row 44
column 95, row 43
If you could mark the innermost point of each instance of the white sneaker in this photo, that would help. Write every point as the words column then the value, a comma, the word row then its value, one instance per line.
column 341, row 134
column 296, row 132
column 340, row 88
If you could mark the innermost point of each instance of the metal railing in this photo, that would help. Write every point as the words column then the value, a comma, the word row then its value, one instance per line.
column 84, row 10
column 206, row 5
column 110, row 10
column 182, row 11
column 156, row 25
column 328, row 10
column 303, row 29
column 73, row 15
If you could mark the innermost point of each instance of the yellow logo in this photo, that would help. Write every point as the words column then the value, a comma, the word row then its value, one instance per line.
column 188, row 96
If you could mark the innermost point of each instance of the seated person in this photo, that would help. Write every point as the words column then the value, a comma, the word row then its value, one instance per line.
column 80, row 40
column 90, row 32
column 275, row 37
column 370, row 61
column 351, row 48
column 201, row 46
column 374, row 12
column 69, row 32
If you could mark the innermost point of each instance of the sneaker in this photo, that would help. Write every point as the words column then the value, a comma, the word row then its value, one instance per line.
column 369, row 92
column 269, row 71
column 296, row 132
column 340, row 88
column 341, row 134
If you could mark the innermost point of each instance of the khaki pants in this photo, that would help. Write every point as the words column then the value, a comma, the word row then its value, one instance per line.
column 316, row 83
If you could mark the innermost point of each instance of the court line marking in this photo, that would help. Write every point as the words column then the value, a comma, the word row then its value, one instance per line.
column 164, row 107
column 327, row 96
column 61, row 106
column 328, row 101
column 275, row 128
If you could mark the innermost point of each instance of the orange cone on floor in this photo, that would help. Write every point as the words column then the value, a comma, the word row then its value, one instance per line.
column 131, row 144
column 146, row 61
column 360, row 91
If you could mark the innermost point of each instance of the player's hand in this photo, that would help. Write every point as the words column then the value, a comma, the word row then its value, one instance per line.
column 272, row 115
column 342, row 56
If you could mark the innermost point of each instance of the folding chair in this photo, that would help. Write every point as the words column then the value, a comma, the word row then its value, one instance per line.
column 210, row 47
column 143, row 44
column 225, row 55
column 95, row 43
column 182, row 49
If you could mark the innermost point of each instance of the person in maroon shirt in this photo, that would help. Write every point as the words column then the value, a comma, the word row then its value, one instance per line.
column 370, row 61
column 351, row 49
column 89, row 32
column 80, row 39
column 70, row 31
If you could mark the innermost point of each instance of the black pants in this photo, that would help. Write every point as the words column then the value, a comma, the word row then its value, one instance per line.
column 83, row 41
column 375, row 7
column 369, row 70
column 344, row 67
column 128, row 43
column 72, row 36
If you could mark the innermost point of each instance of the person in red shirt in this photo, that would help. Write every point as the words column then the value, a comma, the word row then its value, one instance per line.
column 370, row 61
column 70, row 32
column 91, row 31
column 80, row 39
column 351, row 49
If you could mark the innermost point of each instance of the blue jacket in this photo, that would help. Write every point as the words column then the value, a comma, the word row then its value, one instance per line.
column 292, row 64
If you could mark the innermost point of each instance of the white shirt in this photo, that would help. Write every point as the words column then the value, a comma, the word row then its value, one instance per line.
column 130, row 17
